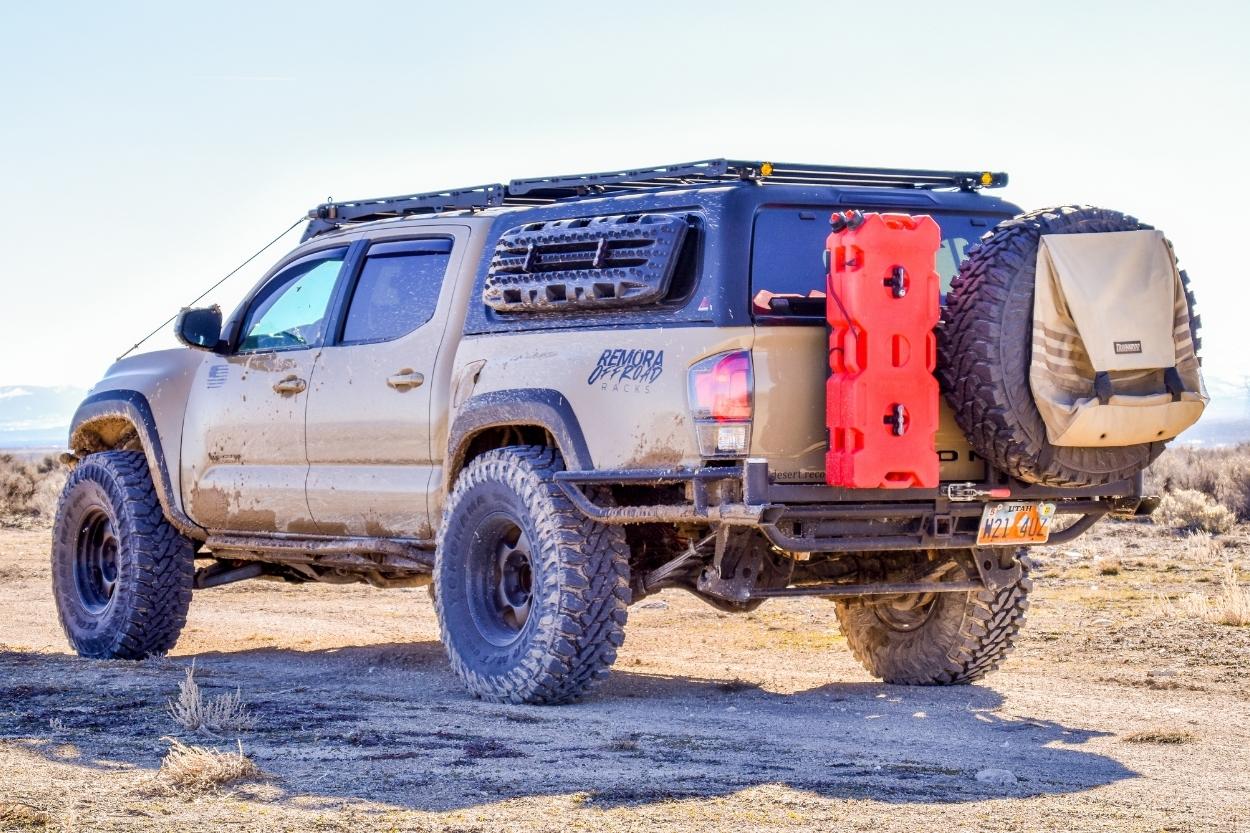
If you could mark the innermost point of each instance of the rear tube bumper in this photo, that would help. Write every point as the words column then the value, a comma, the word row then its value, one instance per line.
column 818, row 518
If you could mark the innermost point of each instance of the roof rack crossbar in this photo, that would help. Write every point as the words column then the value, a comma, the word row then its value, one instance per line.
column 546, row 190
column 332, row 215
column 702, row 170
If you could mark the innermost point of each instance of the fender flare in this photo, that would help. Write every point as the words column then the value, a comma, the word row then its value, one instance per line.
column 133, row 406
column 537, row 407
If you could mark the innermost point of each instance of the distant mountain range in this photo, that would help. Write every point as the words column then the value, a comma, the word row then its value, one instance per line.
column 32, row 416
column 1227, row 419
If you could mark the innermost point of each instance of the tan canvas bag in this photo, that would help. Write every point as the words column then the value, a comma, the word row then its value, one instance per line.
column 1113, row 356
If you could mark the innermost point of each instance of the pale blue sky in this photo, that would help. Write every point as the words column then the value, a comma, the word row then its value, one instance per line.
column 145, row 149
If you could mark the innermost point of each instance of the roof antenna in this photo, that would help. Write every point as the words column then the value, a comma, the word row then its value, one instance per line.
column 200, row 297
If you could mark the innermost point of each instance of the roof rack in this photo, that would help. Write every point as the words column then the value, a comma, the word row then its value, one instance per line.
column 546, row 190
column 332, row 215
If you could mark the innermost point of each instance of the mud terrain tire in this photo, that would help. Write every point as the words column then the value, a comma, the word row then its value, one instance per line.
column 957, row 638
column 531, row 595
column 121, row 575
column 985, row 348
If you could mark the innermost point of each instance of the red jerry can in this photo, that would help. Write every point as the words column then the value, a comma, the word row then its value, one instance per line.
column 881, row 399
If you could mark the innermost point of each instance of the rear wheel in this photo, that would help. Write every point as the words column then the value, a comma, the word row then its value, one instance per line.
column 530, row 594
column 121, row 575
column 935, row 638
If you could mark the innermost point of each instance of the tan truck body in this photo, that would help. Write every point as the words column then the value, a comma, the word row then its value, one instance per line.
column 351, row 455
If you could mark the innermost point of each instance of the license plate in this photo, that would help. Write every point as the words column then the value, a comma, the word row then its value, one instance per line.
column 1015, row 522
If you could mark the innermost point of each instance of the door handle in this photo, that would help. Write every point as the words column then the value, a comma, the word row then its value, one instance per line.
column 291, row 384
column 406, row 379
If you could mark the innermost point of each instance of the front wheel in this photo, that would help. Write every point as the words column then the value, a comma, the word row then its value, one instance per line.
column 121, row 574
column 531, row 595
column 936, row 638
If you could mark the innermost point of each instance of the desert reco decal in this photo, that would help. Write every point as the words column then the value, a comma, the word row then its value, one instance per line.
column 627, row 371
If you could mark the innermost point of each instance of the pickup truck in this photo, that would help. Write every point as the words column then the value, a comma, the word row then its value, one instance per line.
column 548, row 400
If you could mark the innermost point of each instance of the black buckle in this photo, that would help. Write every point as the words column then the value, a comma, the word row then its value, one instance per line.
column 1102, row 386
column 1172, row 379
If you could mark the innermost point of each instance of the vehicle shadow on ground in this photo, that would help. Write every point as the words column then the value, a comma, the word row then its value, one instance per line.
column 389, row 723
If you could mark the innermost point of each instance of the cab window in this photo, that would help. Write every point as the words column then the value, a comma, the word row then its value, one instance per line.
column 290, row 312
column 786, row 256
column 397, row 290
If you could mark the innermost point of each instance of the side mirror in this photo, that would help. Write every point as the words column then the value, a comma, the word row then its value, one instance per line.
column 199, row 328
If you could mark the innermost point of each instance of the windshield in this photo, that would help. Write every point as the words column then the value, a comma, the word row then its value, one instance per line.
column 786, row 256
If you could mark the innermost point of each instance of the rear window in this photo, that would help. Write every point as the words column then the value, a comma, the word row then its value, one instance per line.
column 786, row 255
column 397, row 290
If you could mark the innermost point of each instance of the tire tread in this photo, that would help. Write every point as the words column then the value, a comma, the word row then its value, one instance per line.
column 590, row 598
column 162, row 561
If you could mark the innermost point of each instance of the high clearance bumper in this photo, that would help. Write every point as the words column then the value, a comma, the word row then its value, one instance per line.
column 802, row 517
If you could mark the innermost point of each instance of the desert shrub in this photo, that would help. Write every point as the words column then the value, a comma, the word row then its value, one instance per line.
column 1220, row 473
column 196, row 769
column 29, row 489
column 1161, row 735
column 1108, row 566
column 1194, row 510
column 223, row 713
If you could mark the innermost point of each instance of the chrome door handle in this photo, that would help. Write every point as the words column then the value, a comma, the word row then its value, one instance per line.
column 291, row 384
column 406, row 379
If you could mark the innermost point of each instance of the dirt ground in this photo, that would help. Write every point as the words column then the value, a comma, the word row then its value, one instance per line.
column 709, row 722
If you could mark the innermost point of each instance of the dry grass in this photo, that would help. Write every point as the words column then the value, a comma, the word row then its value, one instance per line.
column 1161, row 736
column 218, row 715
column 1203, row 547
column 196, row 769
column 626, row 743
column 1108, row 566
column 1193, row 510
column 1222, row 474
column 15, row 815
column 1230, row 605
column 29, row 490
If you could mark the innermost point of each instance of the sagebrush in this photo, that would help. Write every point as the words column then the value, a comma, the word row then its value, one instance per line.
column 1223, row 474
column 29, row 489
column 1192, row 510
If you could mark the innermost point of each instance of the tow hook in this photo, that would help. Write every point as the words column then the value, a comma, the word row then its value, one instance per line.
column 964, row 492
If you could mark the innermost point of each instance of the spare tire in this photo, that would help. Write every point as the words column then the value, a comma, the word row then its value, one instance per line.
column 985, row 349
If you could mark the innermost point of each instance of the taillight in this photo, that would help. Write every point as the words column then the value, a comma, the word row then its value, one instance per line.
column 721, row 388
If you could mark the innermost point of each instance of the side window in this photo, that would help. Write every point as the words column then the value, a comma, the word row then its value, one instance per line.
column 290, row 313
column 397, row 290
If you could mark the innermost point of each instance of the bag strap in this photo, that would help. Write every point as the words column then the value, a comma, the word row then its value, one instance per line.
column 1171, row 380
